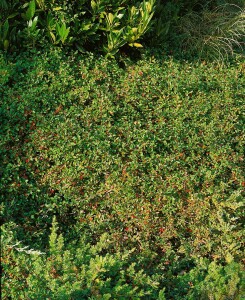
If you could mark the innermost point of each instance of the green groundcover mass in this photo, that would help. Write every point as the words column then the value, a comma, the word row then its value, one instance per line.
column 121, row 183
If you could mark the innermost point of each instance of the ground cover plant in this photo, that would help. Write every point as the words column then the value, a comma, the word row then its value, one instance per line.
column 121, row 183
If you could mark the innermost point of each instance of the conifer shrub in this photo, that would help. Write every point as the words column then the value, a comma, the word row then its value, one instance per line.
column 82, row 272
column 85, row 271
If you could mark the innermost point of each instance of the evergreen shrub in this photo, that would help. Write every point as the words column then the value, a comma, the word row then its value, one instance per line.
column 102, row 24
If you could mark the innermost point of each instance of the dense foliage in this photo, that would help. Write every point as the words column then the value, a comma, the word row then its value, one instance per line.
column 150, row 154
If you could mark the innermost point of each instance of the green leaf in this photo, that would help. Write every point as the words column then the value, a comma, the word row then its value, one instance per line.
column 5, row 29
column 137, row 45
column 110, row 18
column 93, row 5
column 57, row 8
column 52, row 36
column 6, row 44
column 31, row 10
column 62, row 31
column 13, row 15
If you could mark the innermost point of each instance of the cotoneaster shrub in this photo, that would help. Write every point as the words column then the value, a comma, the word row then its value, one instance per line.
column 151, row 154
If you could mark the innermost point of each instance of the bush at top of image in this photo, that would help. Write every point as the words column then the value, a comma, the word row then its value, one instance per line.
column 105, row 25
